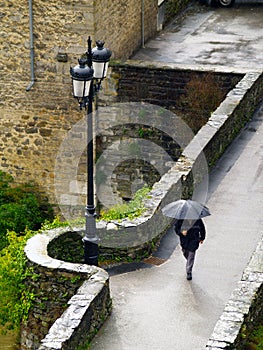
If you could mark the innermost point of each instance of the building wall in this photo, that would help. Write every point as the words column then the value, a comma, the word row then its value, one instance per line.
column 33, row 123
column 125, row 22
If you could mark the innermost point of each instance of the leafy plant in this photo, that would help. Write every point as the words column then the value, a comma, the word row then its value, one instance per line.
column 132, row 209
column 21, row 207
column 15, row 298
column 56, row 222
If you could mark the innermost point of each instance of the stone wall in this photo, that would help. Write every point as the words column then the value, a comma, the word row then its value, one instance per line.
column 136, row 129
column 159, row 83
column 172, row 7
column 152, row 83
column 123, row 24
column 130, row 235
column 33, row 123
column 71, row 300
column 198, row 156
column 30, row 138
column 243, row 310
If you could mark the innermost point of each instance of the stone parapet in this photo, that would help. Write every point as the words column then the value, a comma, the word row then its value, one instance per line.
column 71, row 301
column 244, row 308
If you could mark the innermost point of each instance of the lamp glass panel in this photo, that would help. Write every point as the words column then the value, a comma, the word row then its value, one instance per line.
column 100, row 69
column 81, row 88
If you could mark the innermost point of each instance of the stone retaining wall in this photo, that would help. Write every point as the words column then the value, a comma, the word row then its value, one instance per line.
column 137, row 103
column 244, row 308
column 93, row 296
column 196, row 159
column 158, row 83
column 71, row 301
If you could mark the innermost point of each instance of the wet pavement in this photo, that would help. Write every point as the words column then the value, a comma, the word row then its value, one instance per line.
column 154, row 306
column 209, row 37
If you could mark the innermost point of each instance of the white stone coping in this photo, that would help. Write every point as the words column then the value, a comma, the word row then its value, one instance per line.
column 190, row 67
column 36, row 251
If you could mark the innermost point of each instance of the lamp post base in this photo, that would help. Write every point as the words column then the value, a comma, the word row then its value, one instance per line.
column 91, row 252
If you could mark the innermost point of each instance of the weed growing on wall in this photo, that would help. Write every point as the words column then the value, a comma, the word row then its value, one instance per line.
column 255, row 338
column 130, row 210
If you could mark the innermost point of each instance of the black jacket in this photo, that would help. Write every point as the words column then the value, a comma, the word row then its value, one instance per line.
column 195, row 234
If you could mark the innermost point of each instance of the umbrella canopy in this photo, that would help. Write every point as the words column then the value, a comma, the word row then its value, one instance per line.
column 185, row 209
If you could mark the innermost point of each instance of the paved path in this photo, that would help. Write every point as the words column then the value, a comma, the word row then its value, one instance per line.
column 157, row 308
column 211, row 37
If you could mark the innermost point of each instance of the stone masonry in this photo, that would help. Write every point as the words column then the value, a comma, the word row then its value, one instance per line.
column 212, row 139
column 71, row 300
column 33, row 123
column 243, row 309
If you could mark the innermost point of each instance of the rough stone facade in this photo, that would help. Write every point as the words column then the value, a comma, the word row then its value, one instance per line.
column 33, row 123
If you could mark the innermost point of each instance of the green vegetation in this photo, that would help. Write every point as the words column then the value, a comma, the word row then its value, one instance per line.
column 15, row 299
column 130, row 210
column 20, row 217
column 21, row 207
column 255, row 339
column 21, row 210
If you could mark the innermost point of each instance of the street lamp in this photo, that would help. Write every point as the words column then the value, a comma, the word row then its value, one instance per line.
column 86, row 79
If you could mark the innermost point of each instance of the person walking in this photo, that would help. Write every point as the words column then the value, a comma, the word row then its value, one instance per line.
column 191, row 234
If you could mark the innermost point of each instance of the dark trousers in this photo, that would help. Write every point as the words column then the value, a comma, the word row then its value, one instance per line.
column 190, row 259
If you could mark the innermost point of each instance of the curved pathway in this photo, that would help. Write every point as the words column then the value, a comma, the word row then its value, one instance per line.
column 156, row 308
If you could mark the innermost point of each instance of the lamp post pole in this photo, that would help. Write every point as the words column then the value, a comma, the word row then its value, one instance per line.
column 90, row 240
column 86, row 83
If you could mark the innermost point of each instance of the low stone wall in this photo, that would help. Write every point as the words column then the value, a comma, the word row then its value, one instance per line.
column 244, row 308
column 201, row 154
column 159, row 83
column 71, row 301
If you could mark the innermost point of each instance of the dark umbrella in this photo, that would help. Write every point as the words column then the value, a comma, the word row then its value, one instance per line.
column 185, row 209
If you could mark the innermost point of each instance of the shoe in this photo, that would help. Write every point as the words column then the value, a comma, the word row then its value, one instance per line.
column 189, row 276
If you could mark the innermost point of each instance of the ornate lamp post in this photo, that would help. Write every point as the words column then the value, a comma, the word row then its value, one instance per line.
column 86, row 78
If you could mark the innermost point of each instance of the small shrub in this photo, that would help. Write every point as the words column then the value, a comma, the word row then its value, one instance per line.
column 21, row 207
column 15, row 298
column 203, row 95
